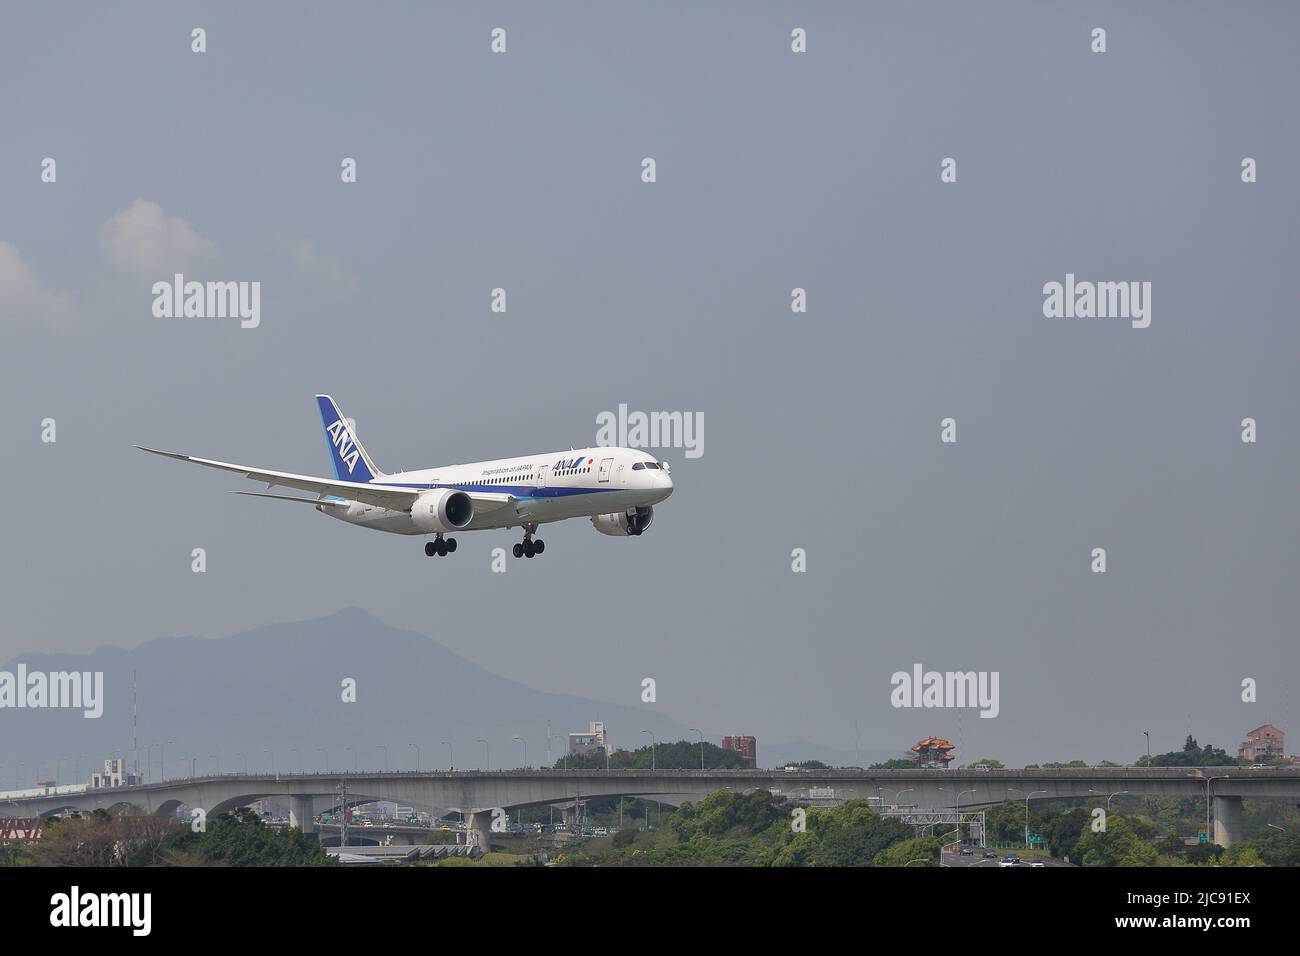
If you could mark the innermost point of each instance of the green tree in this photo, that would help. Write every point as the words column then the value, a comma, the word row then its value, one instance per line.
column 907, row 852
column 675, row 755
column 1279, row 849
column 1193, row 756
column 240, row 838
column 1064, row 831
column 1118, row 845
column 727, row 813
column 1006, row 821
column 852, row 834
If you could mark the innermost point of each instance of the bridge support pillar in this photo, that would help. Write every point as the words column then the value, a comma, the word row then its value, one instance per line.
column 300, row 814
column 1227, row 820
column 478, row 828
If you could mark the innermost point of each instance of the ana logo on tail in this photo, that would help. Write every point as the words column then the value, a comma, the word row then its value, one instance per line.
column 348, row 452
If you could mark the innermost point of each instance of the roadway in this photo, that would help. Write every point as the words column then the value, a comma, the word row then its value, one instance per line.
column 477, row 793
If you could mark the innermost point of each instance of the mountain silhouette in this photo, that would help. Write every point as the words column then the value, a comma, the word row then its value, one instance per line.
column 225, row 702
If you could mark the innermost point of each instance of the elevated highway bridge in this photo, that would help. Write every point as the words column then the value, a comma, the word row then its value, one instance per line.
column 476, row 793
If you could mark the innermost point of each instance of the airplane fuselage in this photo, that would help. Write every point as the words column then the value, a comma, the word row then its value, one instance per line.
column 548, row 487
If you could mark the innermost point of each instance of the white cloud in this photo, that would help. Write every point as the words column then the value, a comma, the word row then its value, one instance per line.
column 23, row 299
column 146, row 242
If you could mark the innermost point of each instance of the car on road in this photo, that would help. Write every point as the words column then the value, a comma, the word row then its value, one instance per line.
column 967, row 851
column 1007, row 861
column 990, row 854
column 1038, row 863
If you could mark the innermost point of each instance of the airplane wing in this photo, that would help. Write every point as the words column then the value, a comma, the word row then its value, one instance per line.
column 327, row 502
column 382, row 496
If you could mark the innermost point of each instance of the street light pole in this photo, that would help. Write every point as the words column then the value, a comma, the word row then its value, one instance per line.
column 1028, row 796
column 701, row 733
column 1209, row 781
column 652, row 748
column 488, row 750
column 525, row 743
column 958, row 809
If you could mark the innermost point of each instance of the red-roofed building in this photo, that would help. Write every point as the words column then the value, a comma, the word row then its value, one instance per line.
column 1262, row 745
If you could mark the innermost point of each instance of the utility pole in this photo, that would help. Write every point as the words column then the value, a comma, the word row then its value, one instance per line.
column 343, row 819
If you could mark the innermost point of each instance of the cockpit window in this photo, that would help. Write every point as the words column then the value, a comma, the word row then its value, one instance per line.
column 652, row 464
column 638, row 465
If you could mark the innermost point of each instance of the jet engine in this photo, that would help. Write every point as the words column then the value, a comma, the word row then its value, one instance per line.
column 624, row 523
column 442, row 510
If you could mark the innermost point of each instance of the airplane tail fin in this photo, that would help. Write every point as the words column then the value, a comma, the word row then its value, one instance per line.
column 351, row 463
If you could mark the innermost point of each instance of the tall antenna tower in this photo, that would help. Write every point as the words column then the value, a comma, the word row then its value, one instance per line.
column 135, row 736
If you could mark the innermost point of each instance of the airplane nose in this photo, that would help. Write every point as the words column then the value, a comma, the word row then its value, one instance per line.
column 664, row 481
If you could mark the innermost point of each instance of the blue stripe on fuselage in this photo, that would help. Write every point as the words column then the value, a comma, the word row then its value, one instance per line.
column 519, row 491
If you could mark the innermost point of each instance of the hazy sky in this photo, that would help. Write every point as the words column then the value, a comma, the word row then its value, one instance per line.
column 775, row 170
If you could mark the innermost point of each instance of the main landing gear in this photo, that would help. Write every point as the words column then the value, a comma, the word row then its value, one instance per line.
column 440, row 546
column 528, row 547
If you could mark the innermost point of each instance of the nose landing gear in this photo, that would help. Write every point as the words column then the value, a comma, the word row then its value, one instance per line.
column 439, row 546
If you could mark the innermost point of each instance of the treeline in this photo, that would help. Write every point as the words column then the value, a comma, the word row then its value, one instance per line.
column 100, row 839
column 761, row 829
column 678, row 755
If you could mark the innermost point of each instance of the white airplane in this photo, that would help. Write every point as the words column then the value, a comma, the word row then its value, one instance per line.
column 617, row 488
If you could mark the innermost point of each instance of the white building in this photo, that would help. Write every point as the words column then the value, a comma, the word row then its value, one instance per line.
column 114, row 774
column 595, row 740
